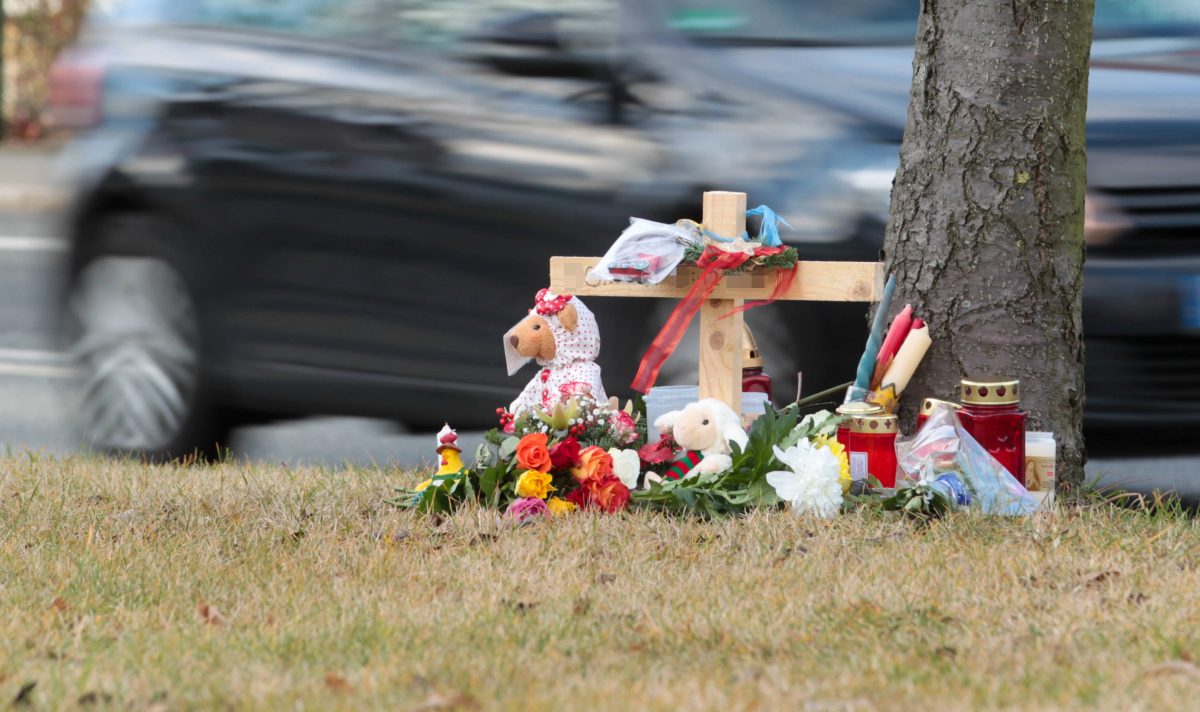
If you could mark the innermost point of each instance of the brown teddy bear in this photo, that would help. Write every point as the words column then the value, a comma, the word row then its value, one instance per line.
column 560, row 333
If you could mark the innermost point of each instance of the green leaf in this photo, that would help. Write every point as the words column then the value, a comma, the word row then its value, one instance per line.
column 488, row 479
column 761, row 493
column 468, row 486
column 685, row 495
column 508, row 447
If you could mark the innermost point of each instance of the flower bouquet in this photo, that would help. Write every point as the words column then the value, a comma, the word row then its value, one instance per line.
column 581, row 454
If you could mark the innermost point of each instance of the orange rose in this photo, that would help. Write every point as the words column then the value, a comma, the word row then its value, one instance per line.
column 605, row 493
column 594, row 462
column 532, row 453
column 608, row 493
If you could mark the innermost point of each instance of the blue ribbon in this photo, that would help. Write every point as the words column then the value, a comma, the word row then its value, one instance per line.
column 768, row 233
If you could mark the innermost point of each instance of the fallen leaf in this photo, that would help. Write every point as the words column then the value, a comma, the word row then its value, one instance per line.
column 336, row 682
column 25, row 694
column 93, row 698
column 1173, row 667
column 436, row 702
column 1100, row 577
column 59, row 605
column 522, row 607
column 210, row 614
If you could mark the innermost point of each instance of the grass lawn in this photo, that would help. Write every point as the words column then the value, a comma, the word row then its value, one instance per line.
column 260, row 587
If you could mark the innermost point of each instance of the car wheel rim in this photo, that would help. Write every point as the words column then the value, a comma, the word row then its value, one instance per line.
column 137, row 344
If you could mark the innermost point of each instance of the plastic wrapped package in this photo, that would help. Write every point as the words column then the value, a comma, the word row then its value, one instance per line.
column 645, row 253
column 943, row 447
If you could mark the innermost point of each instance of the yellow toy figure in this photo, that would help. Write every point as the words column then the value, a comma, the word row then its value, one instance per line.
column 449, row 456
column 449, row 452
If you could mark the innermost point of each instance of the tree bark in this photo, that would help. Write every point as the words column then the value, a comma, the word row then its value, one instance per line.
column 985, row 234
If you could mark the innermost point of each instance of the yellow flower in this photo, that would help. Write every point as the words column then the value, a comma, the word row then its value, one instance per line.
column 421, row 487
column 839, row 451
column 534, row 484
column 559, row 507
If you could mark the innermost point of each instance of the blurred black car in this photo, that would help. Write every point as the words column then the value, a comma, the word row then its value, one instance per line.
column 336, row 206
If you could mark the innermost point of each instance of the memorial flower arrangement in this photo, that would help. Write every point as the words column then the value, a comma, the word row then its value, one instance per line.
column 585, row 455
column 562, row 446
column 579, row 455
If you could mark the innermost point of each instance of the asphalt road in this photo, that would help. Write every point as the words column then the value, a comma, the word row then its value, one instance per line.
column 36, row 389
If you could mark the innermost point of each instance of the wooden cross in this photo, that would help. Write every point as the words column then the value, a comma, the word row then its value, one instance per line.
column 721, row 339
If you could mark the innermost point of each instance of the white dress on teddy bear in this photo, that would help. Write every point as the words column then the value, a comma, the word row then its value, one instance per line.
column 573, row 370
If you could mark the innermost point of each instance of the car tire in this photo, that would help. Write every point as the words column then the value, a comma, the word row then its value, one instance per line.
column 135, row 333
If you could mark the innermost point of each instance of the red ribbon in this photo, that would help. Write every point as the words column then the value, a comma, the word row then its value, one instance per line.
column 783, row 282
column 714, row 262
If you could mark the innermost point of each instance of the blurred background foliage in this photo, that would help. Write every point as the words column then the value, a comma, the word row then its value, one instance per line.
column 35, row 31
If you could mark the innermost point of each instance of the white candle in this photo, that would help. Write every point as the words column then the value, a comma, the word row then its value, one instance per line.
column 907, row 359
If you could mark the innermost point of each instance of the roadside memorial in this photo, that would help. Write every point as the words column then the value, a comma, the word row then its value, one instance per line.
column 564, row 445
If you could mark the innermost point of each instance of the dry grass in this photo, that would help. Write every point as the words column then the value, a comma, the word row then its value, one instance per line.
column 262, row 587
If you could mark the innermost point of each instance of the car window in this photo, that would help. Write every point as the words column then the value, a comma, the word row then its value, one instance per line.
column 880, row 21
column 1133, row 18
column 446, row 24
column 787, row 21
column 340, row 19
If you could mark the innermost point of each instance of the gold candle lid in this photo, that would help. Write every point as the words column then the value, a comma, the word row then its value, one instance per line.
column 991, row 392
column 859, row 408
column 751, row 358
column 929, row 404
column 879, row 424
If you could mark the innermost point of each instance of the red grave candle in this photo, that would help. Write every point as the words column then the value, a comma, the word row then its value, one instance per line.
column 991, row 413
column 873, row 447
column 850, row 410
column 927, row 407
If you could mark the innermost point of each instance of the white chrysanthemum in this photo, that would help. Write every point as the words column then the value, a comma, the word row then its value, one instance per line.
column 812, row 485
column 626, row 466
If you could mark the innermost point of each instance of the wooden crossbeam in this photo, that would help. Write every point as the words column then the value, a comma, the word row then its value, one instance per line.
column 815, row 282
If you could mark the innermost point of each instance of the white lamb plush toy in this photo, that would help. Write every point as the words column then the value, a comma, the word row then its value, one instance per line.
column 562, row 335
column 707, row 426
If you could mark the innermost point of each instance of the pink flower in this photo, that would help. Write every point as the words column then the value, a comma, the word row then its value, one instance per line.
column 624, row 424
column 527, row 509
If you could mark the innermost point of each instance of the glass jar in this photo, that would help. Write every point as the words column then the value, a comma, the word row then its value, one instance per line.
column 754, row 379
column 927, row 407
column 850, row 410
column 991, row 413
column 873, row 447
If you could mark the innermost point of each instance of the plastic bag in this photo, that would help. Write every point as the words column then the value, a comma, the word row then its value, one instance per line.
column 645, row 253
column 943, row 447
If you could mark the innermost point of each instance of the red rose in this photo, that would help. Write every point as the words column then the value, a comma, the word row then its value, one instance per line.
column 579, row 498
column 565, row 453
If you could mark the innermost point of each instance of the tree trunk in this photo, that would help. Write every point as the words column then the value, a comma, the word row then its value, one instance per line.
column 985, row 234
